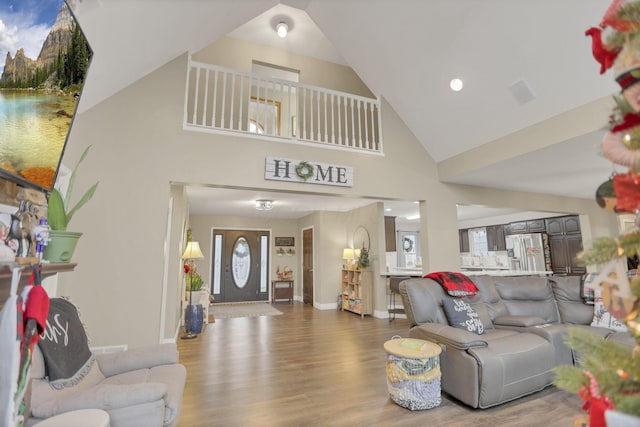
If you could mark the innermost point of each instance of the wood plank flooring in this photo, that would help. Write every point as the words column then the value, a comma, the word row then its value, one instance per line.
column 313, row 367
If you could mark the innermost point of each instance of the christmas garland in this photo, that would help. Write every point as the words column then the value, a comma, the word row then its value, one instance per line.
column 304, row 170
column 606, row 248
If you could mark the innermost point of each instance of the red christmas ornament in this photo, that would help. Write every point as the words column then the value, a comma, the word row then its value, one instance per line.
column 604, row 56
column 627, row 189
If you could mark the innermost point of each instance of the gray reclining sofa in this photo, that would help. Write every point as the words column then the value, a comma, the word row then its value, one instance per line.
column 525, row 321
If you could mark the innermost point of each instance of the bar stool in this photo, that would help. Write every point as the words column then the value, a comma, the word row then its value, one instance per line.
column 394, row 288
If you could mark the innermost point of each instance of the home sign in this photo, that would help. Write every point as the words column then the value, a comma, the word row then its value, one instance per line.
column 280, row 169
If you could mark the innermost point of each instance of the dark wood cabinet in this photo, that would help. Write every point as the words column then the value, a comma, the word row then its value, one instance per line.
column 565, row 241
column 516, row 227
column 521, row 227
column 563, row 225
column 536, row 226
column 464, row 240
column 495, row 238
column 564, row 250
column 390, row 233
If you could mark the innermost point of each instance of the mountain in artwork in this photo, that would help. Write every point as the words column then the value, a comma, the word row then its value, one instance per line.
column 63, row 59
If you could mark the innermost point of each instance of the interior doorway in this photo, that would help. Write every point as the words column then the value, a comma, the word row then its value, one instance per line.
column 240, row 260
column 307, row 265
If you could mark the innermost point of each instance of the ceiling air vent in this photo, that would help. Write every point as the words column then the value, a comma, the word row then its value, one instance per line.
column 522, row 92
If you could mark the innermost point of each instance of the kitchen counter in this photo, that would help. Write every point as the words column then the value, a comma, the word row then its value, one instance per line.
column 402, row 273
column 506, row 273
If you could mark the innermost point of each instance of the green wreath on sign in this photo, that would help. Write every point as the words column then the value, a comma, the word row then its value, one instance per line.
column 304, row 170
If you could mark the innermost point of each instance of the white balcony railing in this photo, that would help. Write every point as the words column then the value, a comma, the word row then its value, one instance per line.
column 223, row 100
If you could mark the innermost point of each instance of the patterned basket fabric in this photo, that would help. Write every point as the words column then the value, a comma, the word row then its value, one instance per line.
column 414, row 383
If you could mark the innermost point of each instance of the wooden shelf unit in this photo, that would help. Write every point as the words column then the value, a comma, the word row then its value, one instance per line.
column 357, row 291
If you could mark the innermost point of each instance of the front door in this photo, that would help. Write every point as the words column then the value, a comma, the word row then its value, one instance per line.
column 240, row 261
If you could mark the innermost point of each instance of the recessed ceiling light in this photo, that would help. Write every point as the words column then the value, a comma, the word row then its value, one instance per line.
column 412, row 217
column 456, row 85
column 387, row 210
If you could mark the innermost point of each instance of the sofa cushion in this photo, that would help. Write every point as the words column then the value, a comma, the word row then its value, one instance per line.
column 602, row 318
column 489, row 294
column 622, row 338
column 570, row 300
column 528, row 296
column 461, row 315
column 422, row 300
column 513, row 366
column 102, row 396
column 519, row 321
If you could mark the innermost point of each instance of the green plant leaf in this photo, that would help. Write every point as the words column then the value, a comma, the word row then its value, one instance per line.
column 56, row 215
column 87, row 196
column 67, row 199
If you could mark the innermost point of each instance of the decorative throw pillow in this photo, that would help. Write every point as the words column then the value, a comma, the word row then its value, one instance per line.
column 461, row 315
column 64, row 345
column 587, row 287
column 601, row 317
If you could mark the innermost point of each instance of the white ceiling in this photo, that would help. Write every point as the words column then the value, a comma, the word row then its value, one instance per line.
column 405, row 51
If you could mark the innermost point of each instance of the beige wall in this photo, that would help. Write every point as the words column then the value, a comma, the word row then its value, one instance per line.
column 123, row 284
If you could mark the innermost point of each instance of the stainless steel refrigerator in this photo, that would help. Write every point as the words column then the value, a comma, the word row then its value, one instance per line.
column 529, row 252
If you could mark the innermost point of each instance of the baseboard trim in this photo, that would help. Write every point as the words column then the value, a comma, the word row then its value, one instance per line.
column 109, row 349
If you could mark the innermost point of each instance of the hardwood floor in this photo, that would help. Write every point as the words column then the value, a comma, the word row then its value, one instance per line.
column 312, row 367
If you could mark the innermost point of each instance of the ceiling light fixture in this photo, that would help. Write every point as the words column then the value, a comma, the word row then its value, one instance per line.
column 412, row 217
column 264, row 205
column 456, row 85
column 282, row 29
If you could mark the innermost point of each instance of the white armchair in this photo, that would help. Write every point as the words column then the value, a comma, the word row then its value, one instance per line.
column 139, row 387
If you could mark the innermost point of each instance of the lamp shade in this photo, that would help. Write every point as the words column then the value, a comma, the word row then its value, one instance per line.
column 193, row 251
column 347, row 253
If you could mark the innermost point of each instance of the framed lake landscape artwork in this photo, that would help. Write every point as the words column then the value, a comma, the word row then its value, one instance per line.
column 44, row 58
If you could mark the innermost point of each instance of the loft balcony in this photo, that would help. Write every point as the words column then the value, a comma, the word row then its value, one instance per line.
column 222, row 100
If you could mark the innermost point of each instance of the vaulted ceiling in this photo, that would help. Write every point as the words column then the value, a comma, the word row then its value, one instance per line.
column 527, row 69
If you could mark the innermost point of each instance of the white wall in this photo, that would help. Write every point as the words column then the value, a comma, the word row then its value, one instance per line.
column 140, row 149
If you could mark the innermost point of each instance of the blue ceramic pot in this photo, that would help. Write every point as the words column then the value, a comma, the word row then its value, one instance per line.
column 194, row 319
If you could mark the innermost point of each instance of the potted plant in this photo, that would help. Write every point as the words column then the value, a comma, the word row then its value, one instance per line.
column 194, row 281
column 363, row 259
column 62, row 243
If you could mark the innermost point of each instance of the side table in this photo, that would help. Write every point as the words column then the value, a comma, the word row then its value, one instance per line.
column 282, row 289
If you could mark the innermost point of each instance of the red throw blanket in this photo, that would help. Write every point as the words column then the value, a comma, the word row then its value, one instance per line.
column 455, row 284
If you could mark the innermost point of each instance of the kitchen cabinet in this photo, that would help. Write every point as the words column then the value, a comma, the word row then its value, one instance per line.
column 521, row 227
column 536, row 226
column 516, row 227
column 390, row 233
column 564, row 250
column 464, row 240
column 495, row 238
column 565, row 241
column 563, row 225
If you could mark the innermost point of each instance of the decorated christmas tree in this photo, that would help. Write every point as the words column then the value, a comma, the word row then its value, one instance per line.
column 608, row 375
